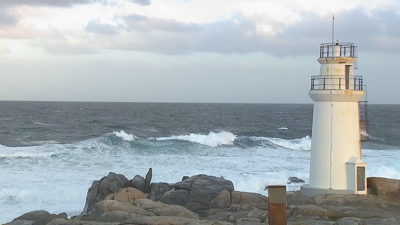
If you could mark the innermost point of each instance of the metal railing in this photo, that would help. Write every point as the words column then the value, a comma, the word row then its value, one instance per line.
column 338, row 49
column 336, row 82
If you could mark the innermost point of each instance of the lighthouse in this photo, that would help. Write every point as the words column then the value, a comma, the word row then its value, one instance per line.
column 336, row 164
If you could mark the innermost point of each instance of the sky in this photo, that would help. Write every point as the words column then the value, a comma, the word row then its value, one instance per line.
column 222, row 51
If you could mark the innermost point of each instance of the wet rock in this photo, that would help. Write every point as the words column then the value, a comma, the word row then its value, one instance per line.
column 295, row 180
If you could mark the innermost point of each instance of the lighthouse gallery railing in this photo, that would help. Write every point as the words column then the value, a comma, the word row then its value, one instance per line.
column 336, row 82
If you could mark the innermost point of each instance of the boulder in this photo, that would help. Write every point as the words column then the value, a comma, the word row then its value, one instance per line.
column 350, row 221
column 76, row 222
column 158, row 190
column 117, row 211
column 222, row 201
column 167, row 220
column 236, row 212
column 297, row 198
column 161, row 209
column 101, row 189
column 38, row 217
column 295, row 180
column 196, row 193
column 251, row 199
column 384, row 188
column 114, row 205
column 127, row 195
column 139, row 183
column 33, row 215
column 248, row 221
column 220, row 215
column 308, row 210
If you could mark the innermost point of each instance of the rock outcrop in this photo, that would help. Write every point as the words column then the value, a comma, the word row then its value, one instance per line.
column 128, row 194
column 111, row 184
column 208, row 200
column 101, row 188
column 196, row 193
column 37, row 217
column 384, row 188
column 341, row 209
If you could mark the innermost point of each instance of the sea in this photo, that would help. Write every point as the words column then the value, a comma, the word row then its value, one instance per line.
column 51, row 152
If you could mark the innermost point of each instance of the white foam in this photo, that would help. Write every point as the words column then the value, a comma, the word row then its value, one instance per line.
column 27, row 155
column 282, row 128
column 294, row 144
column 211, row 140
column 24, row 152
column 124, row 136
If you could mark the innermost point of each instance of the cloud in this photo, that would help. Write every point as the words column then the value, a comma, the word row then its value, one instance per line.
column 143, row 23
column 96, row 27
column 141, row 2
column 371, row 30
column 6, row 19
column 55, row 3
column 242, row 34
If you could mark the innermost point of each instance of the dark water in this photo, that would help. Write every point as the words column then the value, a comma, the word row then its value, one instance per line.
column 36, row 123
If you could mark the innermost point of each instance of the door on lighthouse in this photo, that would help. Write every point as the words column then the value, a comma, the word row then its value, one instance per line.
column 347, row 77
column 360, row 178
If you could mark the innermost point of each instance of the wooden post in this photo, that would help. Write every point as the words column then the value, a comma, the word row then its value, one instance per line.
column 277, row 214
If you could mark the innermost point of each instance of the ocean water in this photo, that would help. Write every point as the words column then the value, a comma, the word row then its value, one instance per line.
column 51, row 152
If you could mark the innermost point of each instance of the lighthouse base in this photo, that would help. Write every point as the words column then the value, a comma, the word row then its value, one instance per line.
column 309, row 191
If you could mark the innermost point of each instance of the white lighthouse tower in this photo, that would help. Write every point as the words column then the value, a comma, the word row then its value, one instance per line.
column 336, row 164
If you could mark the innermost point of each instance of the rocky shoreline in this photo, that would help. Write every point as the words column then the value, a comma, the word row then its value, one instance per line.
column 208, row 200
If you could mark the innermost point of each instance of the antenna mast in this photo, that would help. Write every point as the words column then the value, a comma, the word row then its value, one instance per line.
column 333, row 28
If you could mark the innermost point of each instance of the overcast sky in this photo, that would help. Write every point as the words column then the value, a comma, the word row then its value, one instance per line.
column 252, row 51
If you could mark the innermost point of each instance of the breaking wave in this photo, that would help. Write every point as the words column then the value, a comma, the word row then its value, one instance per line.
column 124, row 136
column 302, row 144
column 212, row 139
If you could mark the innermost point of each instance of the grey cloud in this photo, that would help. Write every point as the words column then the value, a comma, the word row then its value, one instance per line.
column 350, row 26
column 146, row 24
column 55, row 3
column 140, row 2
column 238, row 35
column 96, row 27
column 7, row 19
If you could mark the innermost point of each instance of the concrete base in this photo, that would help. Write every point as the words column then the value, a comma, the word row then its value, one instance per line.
column 309, row 191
